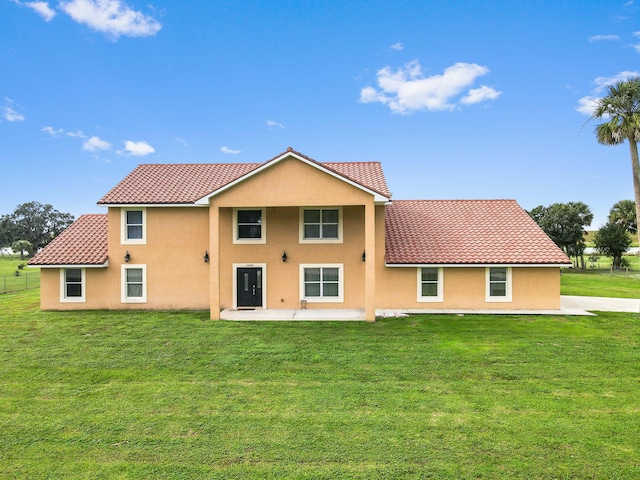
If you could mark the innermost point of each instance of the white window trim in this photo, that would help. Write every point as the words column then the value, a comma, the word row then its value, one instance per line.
column 63, row 285
column 339, row 298
column 123, row 227
column 320, row 240
column 123, row 287
column 440, row 296
column 263, row 230
column 507, row 298
column 235, row 268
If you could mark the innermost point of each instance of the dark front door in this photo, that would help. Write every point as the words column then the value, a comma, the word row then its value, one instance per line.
column 249, row 288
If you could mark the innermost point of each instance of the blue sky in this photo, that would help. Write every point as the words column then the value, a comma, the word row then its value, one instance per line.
column 457, row 99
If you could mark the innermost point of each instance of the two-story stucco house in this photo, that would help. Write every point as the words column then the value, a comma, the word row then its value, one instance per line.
column 294, row 231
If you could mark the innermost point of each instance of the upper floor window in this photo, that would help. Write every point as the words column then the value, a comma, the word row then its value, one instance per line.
column 430, row 285
column 72, row 285
column 134, row 228
column 249, row 225
column 498, row 284
column 322, row 225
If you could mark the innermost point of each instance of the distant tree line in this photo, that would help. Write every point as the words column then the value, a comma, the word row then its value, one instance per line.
column 565, row 224
column 31, row 226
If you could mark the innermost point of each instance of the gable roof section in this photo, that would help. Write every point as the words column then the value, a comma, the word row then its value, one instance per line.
column 83, row 243
column 187, row 184
column 466, row 232
column 162, row 184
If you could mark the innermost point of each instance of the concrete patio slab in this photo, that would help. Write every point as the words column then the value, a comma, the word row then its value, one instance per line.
column 569, row 305
column 284, row 314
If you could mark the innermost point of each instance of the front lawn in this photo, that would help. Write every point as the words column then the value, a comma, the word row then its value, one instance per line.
column 600, row 283
column 174, row 395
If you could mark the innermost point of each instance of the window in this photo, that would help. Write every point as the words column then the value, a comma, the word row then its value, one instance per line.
column 498, row 284
column 430, row 286
column 249, row 225
column 134, row 226
column 321, row 225
column 321, row 283
column 72, row 285
column 134, row 283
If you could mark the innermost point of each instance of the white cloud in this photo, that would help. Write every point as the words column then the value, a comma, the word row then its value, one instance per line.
column 603, row 38
column 53, row 132
column 111, row 17
column 77, row 134
column 407, row 89
column 397, row 46
column 9, row 113
column 138, row 149
column 230, row 151
column 182, row 141
column 587, row 104
column 272, row 123
column 95, row 144
column 477, row 95
column 41, row 8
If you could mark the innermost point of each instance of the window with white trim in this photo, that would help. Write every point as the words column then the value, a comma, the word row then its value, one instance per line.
column 134, row 226
column 498, row 284
column 321, row 225
column 322, row 283
column 72, row 285
column 430, row 284
column 134, row 283
column 249, row 225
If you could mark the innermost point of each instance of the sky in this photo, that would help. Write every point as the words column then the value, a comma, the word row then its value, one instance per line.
column 456, row 99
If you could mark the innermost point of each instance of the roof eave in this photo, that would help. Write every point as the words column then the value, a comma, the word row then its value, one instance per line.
column 459, row 265
column 105, row 264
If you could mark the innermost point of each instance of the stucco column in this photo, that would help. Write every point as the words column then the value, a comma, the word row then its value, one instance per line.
column 370, row 262
column 214, row 261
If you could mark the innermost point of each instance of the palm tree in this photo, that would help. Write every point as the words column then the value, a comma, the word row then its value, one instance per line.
column 621, row 110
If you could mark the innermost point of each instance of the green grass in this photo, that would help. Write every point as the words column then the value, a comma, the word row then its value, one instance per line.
column 173, row 395
column 600, row 283
column 28, row 277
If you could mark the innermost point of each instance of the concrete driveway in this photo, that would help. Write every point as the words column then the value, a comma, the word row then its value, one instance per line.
column 572, row 303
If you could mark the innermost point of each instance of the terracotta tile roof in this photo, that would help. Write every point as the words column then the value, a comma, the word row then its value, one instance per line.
column 465, row 232
column 84, row 242
column 174, row 183
column 158, row 184
column 367, row 174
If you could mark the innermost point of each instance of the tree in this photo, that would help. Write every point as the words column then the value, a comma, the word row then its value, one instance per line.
column 612, row 240
column 624, row 213
column 621, row 108
column 38, row 223
column 8, row 231
column 21, row 246
column 564, row 223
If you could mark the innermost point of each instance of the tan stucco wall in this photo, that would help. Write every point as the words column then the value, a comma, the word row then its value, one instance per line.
column 282, row 287
column 177, row 277
column 283, row 188
column 465, row 288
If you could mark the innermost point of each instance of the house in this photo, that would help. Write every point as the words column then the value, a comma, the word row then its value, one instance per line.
column 292, row 231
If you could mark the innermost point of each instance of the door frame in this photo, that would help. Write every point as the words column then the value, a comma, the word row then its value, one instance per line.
column 235, row 268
